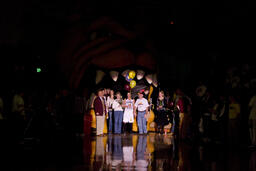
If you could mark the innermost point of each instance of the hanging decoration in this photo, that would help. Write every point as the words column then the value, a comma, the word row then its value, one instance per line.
column 149, row 78
column 99, row 76
column 124, row 73
column 114, row 75
column 132, row 84
column 132, row 74
column 140, row 74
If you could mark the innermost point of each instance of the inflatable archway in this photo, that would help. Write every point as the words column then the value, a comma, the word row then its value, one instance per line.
column 92, row 53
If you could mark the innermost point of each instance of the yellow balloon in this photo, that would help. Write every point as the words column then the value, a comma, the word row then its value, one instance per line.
column 132, row 74
column 132, row 84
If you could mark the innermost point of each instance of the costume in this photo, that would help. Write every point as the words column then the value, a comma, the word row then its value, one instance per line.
column 128, row 112
column 128, row 115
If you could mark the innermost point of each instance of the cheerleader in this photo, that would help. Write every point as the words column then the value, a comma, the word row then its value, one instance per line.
column 128, row 113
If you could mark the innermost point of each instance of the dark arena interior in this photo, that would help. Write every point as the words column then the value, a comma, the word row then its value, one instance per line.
column 127, row 85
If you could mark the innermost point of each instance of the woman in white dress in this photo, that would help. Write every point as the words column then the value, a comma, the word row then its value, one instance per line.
column 128, row 118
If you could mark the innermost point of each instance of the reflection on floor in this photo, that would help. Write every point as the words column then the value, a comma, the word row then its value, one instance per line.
column 127, row 152
column 160, row 152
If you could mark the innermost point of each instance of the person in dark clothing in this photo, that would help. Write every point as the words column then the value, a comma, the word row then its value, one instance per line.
column 161, row 118
column 64, row 110
column 79, row 109
column 219, row 120
column 175, row 111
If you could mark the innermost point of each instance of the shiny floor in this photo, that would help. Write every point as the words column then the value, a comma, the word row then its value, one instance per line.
column 127, row 152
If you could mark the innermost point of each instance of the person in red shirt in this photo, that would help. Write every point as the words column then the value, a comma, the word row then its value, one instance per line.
column 100, row 112
column 180, row 104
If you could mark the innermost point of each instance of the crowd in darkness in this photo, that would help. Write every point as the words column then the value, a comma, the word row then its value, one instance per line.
column 221, row 114
column 225, row 112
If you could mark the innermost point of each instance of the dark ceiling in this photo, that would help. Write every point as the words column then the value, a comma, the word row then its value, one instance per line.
column 199, row 26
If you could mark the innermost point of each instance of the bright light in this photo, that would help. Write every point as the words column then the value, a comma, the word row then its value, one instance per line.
column 114, row 75
column 149, row 78
column 140, row 74
column 38, row 70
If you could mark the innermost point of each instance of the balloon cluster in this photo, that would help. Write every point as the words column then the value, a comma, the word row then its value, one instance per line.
column 129, row 77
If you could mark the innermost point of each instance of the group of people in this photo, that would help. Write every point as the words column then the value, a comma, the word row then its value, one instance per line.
column 120, row 112
column 215, row 115
column 210, row 117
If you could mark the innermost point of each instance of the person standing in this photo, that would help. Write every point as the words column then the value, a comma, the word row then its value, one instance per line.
column 180, row 103
column 233, row 123
column 161, row 118
column 110, row 100
column 100, row 112
column 128, row 113
column 142, row 105
column 18, row 116
column 18, row 105
column 219, row 118
column 175, row 111
column 79, row 110
column 118, row 113
column 252, row 120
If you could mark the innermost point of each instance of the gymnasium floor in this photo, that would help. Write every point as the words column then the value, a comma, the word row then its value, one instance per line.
column 125, row 152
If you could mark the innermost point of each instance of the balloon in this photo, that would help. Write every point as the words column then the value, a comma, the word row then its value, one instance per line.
column 114, row 75
column 99, row 76
column 127, row 87
column 126, row 72
column 132, row 74
column 132, row 84
column 154, row 81
column 127, row 78
column 149, row 78
column 140, row 74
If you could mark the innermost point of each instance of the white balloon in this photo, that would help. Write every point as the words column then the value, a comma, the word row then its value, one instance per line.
column 149, row 78
column 140, row 74
column 99, row 76
column 155, row 82
column 114, row 75
column 125, row 73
